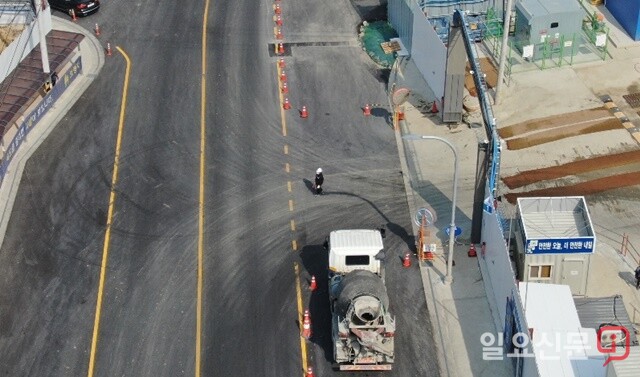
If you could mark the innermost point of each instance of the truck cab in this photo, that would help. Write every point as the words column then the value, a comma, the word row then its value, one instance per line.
column 355, row 249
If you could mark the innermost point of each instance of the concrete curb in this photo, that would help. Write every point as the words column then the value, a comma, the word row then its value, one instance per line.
column 93, row 60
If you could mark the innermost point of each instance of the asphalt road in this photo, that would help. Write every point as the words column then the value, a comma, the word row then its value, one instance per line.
column 50, row 260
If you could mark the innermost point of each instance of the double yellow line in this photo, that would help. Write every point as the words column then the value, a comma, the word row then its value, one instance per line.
column 112, row 199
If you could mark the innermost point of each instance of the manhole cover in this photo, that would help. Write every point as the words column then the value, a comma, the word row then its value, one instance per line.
column 632, row 99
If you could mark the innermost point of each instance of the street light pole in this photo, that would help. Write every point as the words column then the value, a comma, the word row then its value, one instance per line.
column 448, row 279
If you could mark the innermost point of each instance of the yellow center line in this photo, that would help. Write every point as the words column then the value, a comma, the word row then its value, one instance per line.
column 287, row 168
column 290, row 205
column 293, row 225
column 203, row 134
column 303, row 342
column 281, row 96
column 286, row 149
column 289, row 186
column 112, row 200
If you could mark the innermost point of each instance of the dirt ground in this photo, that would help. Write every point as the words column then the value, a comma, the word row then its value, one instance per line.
column 8, row 34
column 563, row 132
column 488, row 69
column 582, row 189
column 548, row 129
column 573, row 168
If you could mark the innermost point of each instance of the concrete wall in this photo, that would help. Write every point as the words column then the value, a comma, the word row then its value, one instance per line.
column 401, row 17
column 499, row 280
column 428, row 53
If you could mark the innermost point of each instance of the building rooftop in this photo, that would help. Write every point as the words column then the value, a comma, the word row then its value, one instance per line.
column 555, row 217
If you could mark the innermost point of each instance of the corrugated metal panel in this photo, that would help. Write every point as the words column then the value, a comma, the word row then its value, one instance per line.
column 594, row 312
column 629, row 366
column 357, row 241
column 401, row 18
column 627, row 13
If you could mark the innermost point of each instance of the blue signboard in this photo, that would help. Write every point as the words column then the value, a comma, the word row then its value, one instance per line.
column 32, row 119
column 561, row 245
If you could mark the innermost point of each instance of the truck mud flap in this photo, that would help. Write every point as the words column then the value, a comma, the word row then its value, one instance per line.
column 365, row 367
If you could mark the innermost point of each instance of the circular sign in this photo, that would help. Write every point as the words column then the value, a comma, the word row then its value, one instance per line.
column 399, row 96
column 425, row 214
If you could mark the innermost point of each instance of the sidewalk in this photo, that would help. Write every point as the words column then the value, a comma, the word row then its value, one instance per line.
column 92, row 62
column 459, row 312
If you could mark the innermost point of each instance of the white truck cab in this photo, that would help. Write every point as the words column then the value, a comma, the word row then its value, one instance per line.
column 355, row 249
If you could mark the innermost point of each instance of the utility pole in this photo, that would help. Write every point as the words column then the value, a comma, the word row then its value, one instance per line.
column 43, row 37
column 503, row 53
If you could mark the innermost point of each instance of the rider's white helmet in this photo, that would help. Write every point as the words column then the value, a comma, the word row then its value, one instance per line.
column 319, row 171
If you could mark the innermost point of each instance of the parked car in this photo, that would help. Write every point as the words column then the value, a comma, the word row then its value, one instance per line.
column 80, row 7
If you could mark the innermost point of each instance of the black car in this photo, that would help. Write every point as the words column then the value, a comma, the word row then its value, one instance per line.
column 80, row 7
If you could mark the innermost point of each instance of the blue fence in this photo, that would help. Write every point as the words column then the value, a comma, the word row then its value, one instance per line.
column 32, row 119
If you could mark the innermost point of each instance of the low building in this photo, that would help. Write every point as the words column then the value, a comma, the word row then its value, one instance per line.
column 561, row 346
column 554, row 241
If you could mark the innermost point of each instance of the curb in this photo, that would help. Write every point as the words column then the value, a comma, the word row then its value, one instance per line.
column 11, row 182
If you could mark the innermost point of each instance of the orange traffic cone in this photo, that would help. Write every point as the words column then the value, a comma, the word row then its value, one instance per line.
column 306, row 325
column 286, row 104
column 72, row 13
column 97, row 29
column 313, row 286
column 280, row 49
column 278, row 33
column 285, row 89
column 283, row 76
column 277, row 9
column 406, row 261
column 278, row 20
column 108, row 49
column 304, row 114
column 281, row 63
column 472, row 251
column 367, row 110
column 309, row 372
column 434, row 108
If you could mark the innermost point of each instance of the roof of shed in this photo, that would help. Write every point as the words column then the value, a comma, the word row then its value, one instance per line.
column 555, row 217
column 595, row 311
column 545, row 7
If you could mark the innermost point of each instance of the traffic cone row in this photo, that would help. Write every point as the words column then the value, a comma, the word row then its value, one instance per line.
column 306, row 325
column 406, row 261
column 285, row 89
column 304, row 114
column 286, row 105
column 314, row 285
column 283, row 76
column 309, row 372
column 97, row 29
column 366, row 110
column 434, row 108
column 108, row 49
column 472, row 251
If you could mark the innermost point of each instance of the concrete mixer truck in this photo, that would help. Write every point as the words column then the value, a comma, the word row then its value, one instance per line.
column 362, row 328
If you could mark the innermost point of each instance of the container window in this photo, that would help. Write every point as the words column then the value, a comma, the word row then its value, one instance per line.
column 356, row 260
column 554, row 25
column 534, row 271
column 540, row 272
